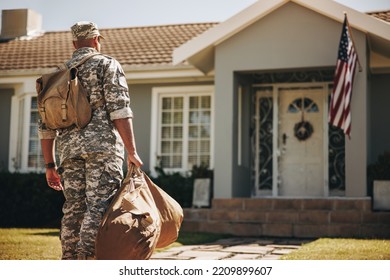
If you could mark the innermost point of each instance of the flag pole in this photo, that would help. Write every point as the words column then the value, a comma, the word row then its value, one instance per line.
column 353, row 41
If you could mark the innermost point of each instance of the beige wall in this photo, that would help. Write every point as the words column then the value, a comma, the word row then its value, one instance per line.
column 291, row 37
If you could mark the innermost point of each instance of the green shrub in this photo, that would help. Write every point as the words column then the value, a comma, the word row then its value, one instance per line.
column 27, row 201
column 180, row 186
column 380, row 170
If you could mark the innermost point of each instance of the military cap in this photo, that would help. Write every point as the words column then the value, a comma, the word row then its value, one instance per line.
column 85, row 30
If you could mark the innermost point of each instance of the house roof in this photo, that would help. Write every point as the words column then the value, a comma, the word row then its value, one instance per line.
column 200, row 51
column 154, row 45
column 383, row 15
column 136, row 46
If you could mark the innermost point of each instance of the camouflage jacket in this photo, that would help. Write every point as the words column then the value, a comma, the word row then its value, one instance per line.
column 103, row 78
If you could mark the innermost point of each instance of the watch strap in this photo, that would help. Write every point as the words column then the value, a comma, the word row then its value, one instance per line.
column 50, row 165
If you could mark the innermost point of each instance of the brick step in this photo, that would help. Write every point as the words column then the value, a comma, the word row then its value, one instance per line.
column 306, row 218
column 362, row 204
column 289, row 230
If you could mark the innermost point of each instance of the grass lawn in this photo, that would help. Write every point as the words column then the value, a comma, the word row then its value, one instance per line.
column 30, row 244
column 44, row 244
column 342, row 249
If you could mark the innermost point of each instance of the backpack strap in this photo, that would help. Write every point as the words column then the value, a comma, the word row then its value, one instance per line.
column 98, row 104
column 64, row 66
column 86, row 58
column 102, row 101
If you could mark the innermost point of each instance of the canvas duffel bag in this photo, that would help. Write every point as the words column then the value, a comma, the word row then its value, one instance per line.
column 131, row 225
column 171, row 214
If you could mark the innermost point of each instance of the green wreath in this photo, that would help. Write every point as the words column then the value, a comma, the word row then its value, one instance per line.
column 303, row 130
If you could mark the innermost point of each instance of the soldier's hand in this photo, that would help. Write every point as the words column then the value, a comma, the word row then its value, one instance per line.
column 53, row 179
column 135, row 159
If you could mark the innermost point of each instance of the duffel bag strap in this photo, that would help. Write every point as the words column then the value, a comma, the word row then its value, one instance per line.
column 63, row 110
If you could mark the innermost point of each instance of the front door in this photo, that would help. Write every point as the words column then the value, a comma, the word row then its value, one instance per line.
column 301, row 142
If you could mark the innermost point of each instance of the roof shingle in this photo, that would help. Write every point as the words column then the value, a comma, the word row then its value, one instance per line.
column 134, row 46
column 384, row 15
column 152, row 45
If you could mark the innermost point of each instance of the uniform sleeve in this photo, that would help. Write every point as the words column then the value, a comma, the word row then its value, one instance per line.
column 44, row 132
column 116, row 92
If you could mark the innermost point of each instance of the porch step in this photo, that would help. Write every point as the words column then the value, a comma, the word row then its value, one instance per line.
column 300, row 218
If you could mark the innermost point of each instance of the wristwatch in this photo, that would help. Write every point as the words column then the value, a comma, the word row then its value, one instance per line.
column 50, row 165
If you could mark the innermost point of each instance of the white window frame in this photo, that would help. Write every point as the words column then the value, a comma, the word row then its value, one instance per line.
column 185, row 91
column 20, row 134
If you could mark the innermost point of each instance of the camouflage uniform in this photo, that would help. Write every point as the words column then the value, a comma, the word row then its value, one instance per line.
column 91, row 159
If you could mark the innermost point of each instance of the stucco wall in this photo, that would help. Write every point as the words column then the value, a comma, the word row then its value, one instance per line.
column 140, row 102
column 291, row 37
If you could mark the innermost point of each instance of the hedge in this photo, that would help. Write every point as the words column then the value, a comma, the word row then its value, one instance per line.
column 27, row 201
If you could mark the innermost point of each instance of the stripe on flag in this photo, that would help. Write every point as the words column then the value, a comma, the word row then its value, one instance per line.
column 340, row 104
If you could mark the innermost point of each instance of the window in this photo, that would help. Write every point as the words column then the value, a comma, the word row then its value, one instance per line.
column 171, row 132
column 35, row 157
column 183, row 124
column 25, row 150
column 303, row 105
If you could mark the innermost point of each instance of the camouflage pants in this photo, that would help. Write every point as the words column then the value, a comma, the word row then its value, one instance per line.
column 89, row 183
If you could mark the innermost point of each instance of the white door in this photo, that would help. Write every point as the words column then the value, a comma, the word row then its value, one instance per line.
column 301, row 142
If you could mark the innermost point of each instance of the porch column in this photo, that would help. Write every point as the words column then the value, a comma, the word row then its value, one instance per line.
column 356, row 148
column 223, row 150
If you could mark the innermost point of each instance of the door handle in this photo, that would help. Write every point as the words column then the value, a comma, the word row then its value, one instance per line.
column 284, row 138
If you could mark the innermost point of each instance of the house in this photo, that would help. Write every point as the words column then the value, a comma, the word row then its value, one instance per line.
column 229, row 95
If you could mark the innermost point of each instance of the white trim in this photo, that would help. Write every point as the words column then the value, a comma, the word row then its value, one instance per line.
column 239, row 127
column 325, row 139
column 19, row 134
column 13, row 133
column 157, row 94
column 21, row 84
column 135, row 76
column 154, row 131
column 257, row 143
column 184, row 155
column 275, row 144
column 25, row 132
column 203, row 46
column 212, row 128
column 356, row 19
column 275, row 165
column 225, row 30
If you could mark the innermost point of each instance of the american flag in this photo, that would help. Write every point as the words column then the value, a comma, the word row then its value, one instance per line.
column 340, row 104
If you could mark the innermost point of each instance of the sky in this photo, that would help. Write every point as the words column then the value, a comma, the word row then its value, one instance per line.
column 59, row 15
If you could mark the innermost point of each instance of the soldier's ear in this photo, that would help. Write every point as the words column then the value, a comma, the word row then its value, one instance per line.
column 96, row 40
column 96, row 43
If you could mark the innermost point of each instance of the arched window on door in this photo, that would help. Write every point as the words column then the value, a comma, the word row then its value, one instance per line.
column 303, row 104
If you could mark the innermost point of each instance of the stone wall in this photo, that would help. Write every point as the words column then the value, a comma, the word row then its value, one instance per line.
column 282, row 217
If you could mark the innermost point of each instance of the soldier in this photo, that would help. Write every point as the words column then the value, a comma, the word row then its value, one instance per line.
column 91, row 158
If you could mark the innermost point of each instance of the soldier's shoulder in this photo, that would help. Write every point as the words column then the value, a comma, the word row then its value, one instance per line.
column 105, row 57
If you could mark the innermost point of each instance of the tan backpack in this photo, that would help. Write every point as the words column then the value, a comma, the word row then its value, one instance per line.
column 62, row 101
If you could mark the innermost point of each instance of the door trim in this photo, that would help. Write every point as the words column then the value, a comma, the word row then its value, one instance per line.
column 275, row 130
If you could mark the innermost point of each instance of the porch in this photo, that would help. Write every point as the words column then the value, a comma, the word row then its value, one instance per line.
column 288, row 217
